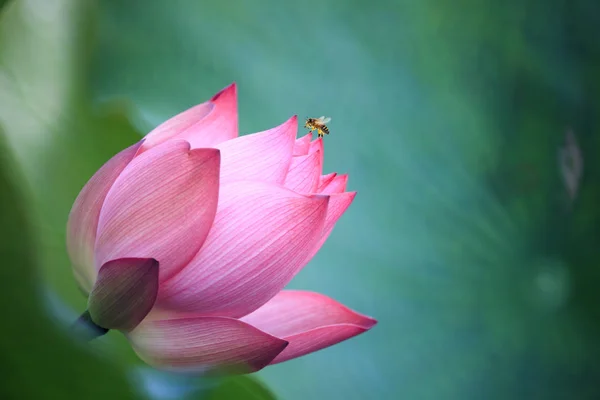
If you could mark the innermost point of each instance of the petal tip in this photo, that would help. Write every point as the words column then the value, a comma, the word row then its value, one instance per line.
column 208, row 152
column 291, row 124
column 321, row 202
column 225, row 93
column 181, row 146
column 293, row 120
column 208, row 157
column 152, row 262
column 368, row 322
column 321, row 199
column 316, row 144
column 265, row 361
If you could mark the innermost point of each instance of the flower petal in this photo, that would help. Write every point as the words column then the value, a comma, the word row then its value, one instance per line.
column 309, row 321
column 259, row 240
column 317, row 339
column 83, row 219
column 124, row 293
column 295, row 311
column 303, row 175
column 161, row 207
column 301, row 145
column 198, row 344
column 175, row 126
column 263, row 156
column 337, row 185
column 324, row 180
column 338, row 204
column 204, row 125
column 317, row 146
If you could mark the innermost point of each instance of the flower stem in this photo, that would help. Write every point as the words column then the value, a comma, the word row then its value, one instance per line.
column 86, row 329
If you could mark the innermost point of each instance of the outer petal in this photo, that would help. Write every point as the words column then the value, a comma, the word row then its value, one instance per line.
column 260, row 239
column 124, row 293
column 263, row 156
column 204, row 125
column 337, row 185
column 83, row 219
column 304, row 172
column 302, row 145
column 295, row 311
column 199, row 344
column 161, row 207
column 317, row 146
column 317, row 339
column 309, row 321
column 324, row 180
column 338, row 204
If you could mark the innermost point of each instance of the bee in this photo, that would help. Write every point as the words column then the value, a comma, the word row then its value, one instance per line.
column 318, row 124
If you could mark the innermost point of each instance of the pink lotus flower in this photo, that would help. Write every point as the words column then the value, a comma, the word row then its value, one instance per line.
column 185, row 240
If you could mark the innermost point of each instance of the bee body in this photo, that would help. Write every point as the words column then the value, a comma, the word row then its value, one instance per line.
column 318, row 124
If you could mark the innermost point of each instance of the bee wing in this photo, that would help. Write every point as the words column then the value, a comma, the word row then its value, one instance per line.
column 325, row 120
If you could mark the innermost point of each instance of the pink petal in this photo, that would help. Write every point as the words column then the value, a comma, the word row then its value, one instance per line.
column 295, row 311
column 337, row 185
column 124, row 293
column 161, row 207
column 302, row 145
column 303, row 175
column 175, row 126
column 83, row 219
column 259, row 240
column 309, row 321
column 338, row 204
column 317, row 339
column 317, row 146
column 263, row 156
column 204, row 125
column 324, row 180
column 198, row 344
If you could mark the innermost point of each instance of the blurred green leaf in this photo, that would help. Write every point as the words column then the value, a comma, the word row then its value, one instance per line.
column 39, row 360
column 239, row 387
column 58, row 136
column 57, row 140
column 161, row 385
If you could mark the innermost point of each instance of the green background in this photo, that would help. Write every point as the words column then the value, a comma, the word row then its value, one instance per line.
column 463, row 241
